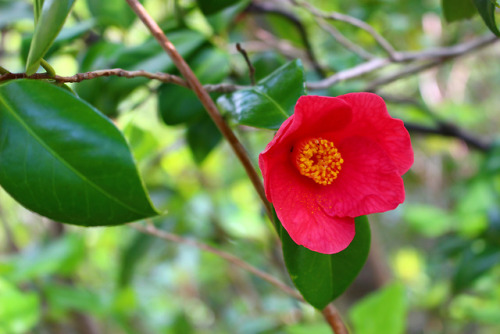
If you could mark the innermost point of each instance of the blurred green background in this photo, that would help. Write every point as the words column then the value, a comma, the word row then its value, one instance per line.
column 434, row 265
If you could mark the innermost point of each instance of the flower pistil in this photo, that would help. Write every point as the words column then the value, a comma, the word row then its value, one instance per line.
column 318, row 159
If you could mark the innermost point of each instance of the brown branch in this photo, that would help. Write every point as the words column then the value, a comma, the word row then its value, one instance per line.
column 442, row 127
column 344, row 41
column 354, row 22
column 251, row 69
column 434, row 58
column 334, row 319
column 330, row 313
column 450, row 130
column 264, row 7
column 404, row 72
column 351, row 73
column 204, row 98
column 79, row 77
column 234, row 260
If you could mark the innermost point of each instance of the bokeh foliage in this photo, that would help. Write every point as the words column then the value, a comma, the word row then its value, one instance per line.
column 440, row 251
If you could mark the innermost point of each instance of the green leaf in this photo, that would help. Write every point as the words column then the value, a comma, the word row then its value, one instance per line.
column 63, row 298
column 455, row 10
column 486, row 9
column 178, row 104
column 202, row 137
column 221, row 20
column 211, row 65
column 112, row 12
column 66, row 36
column 271, row 102
column 64, row 160
column 54, row 13
column 131, row 255
column 321, row 278
column 381, row 312
column 209, row 7
column 19, row 311
column 473, row 264
column 60, row 257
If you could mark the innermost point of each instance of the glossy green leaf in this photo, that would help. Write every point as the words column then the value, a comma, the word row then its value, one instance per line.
column 271, row 101
column 209, row 7
column 321, row 278
column 37, row 9
column 202, row 137
column 19, row 310
column 50, row 22
column 486, row 9
column 66, row 36
column 64, row 160
column 454, row 10
column 381, row 312
column 112, row 12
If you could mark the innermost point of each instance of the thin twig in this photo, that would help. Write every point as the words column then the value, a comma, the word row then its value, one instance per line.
column 435, row 57
column 451, row 51
column 354, row 72
column 404, row 72
column 152, row 230
column 354, row 22
column 344, row 41
column 79, row 77
column 251, row 69
column 442, row 127
column 449, row 130
column 268, row 8
column 330, row 313
column 334, row 319
column 204, row 98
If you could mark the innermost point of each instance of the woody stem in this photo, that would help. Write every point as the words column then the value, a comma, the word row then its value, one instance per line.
column 204, row 98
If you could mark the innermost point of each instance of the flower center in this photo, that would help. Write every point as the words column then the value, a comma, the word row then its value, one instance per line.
column 318, row 159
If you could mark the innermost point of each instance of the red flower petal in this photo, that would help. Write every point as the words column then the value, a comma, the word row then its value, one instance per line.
column 313, row 114
column 371, row 119
column 368, row 182
column 303, row 218
column 318, row 114
column 376, row 150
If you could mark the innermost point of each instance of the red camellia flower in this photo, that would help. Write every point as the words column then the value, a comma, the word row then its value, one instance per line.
column 334, row 159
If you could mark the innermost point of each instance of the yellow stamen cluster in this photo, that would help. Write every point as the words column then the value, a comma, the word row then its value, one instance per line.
column 319, row 160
